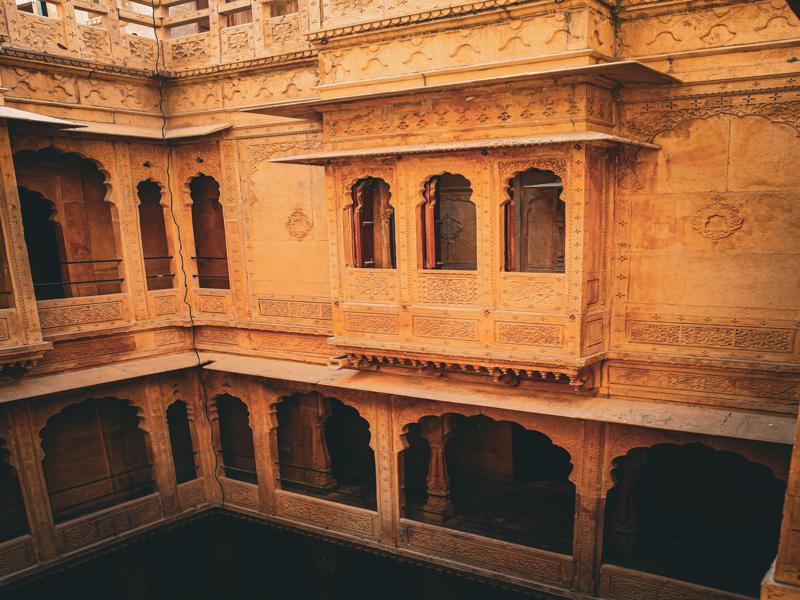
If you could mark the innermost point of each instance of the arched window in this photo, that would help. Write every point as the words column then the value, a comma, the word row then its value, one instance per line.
column 157, row 255
column 695, row 514
column 208, row 224
column 448, row 224
column 95, row 456
column 489, row 478
column 372, row 224
column 323, row 450
column 71, row 234
column 534, row 223
column 13, row 519
column 6, row 292
column 180, row 440
column 236, row 439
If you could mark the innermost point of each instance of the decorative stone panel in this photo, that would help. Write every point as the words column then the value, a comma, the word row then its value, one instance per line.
column 448, row 288
column 86, row 531
column 80, row 314
column 712, row 336
column 528, row 563
column 460, row 329
column 240, row 493
column 16, row 555
column 371, row 323
column 328, row 515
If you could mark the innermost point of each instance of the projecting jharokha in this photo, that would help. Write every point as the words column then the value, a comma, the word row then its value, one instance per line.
column 435, row 299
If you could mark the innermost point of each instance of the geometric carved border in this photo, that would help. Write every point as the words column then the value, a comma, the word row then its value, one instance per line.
column 530, row 563
column 617, row 583
column 85, row 531
column 16, row 555
column 326, row 514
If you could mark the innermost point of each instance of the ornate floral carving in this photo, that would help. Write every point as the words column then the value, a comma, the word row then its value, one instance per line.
column 717, row 220
column 289, row 308
column 461, row 329
column 164, row 305
column 350, row 519
column 371, row 323
column 114, row 521
column 212, row 304
column 530, row 335
column 712, row 336
column 299, row 224
column 371, row 285
column 218, row 335
column 78, row 314
column 491, row 554
column 243, row 494
column 169, row 337
column 439, row 288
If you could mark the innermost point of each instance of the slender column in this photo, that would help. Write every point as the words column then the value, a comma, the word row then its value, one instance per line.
column 163, row 467
column 438, row 505
column 29, row 454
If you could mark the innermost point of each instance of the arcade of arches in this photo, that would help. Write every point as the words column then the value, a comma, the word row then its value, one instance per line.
column 504, row 287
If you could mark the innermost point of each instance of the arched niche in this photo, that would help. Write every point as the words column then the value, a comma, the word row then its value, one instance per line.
column 13, row 517
column 447, row 227
column 234, row 438
column 370, row 225
column 490, row 478
column 693, row 513
column 534, row 217
column 208, row 224
column 184, row 456
column 95, row 456
column 324, row 450
column 68, row 219
column 156, row 248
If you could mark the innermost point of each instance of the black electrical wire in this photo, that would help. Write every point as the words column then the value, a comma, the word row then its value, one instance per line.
column 186, row 301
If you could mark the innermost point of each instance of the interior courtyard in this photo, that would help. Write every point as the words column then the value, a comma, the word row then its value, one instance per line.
column 337, row 299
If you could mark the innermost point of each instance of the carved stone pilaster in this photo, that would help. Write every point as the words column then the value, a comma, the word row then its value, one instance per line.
column 28, row 454
column 155, row 422
column 588, row 520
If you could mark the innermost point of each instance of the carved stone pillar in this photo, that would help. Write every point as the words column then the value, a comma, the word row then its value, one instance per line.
column 28, row 455
column 387, row 472
column 163, row 468
column 207, row 436
column 322, row 474
column 587, row 545
column 783, row 580
column 438, row 506
column 22, row 325
column 263, row 425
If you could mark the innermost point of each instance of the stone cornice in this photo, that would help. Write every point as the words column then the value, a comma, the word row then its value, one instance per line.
column 31, row 58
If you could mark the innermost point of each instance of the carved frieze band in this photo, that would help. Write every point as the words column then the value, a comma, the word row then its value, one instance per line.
column 79, row 314
column 617, row 583
column 525, row 562
column 371, row 323
column 460, row 329
column 16, row 555
column 269, row 307
column 703, row 382
column 84, row 349
column 84, row 532
column 528, row 335
column 350, row 519
column 765, row 339
column 240, row 493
